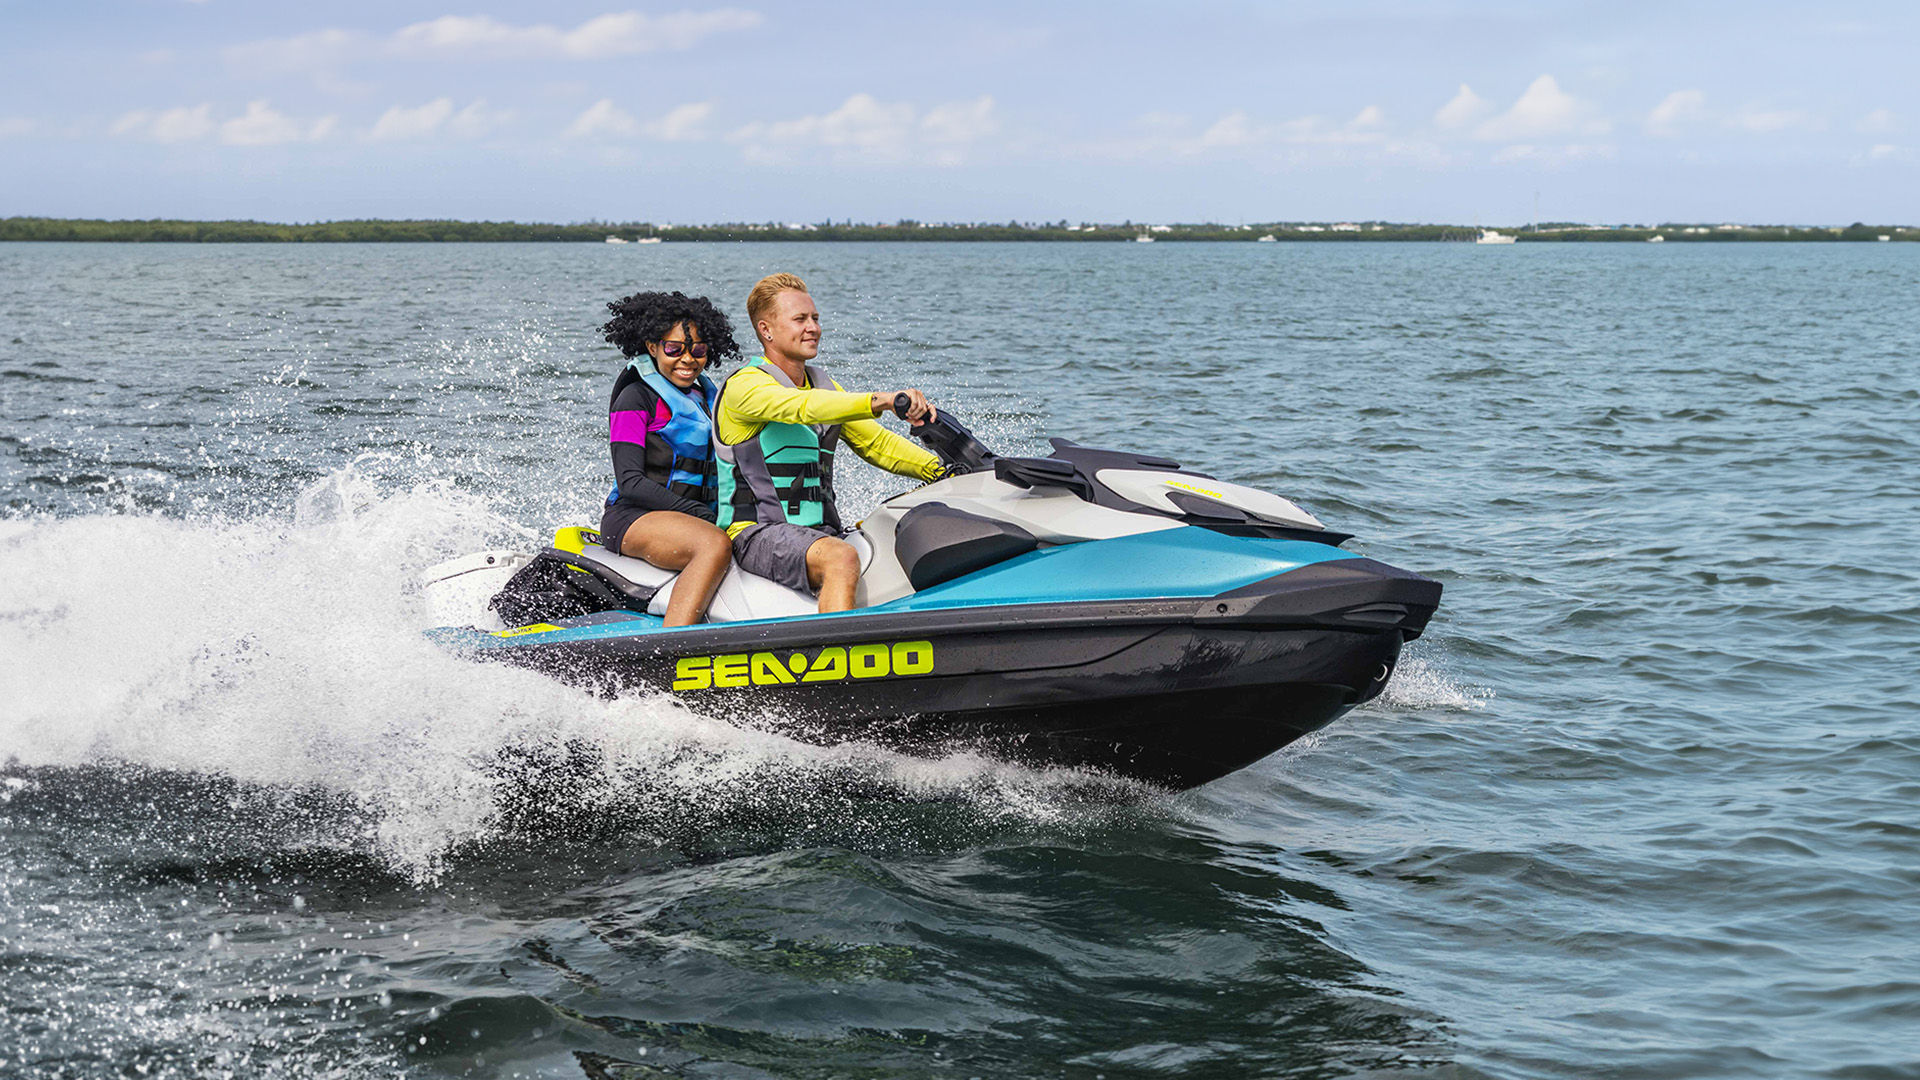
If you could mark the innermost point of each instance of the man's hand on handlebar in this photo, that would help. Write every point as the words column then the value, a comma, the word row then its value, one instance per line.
column 909, row 405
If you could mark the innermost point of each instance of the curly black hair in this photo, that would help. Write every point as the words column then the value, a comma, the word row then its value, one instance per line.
column 647, row 317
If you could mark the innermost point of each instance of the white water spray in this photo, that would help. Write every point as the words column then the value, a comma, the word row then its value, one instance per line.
column 291, row 655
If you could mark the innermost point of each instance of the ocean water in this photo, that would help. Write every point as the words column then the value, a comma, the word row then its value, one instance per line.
column 1642, row 803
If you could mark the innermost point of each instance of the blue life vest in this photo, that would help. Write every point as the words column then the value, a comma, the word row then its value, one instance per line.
column 679, row 455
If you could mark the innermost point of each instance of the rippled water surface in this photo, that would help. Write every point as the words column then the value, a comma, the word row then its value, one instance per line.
column 1642, row 803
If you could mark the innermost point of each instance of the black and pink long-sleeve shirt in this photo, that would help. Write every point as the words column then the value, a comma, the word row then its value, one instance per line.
column 638, row 433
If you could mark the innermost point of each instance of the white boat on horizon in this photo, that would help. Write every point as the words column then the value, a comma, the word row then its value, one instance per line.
column 648, row 240
column 616, row 239
column 1488, row 236
column 1656, row 238
column 1143, row 238
column 1267, row 239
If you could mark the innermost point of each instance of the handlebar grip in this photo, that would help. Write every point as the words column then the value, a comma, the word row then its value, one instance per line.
column 901, row 403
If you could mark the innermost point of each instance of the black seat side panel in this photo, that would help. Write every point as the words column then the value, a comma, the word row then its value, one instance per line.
column 937, row 543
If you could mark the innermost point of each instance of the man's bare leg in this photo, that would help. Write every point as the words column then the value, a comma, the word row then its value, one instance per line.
column 833, row 569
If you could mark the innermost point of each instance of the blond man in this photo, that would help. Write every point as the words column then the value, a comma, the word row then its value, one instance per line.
column 776, row 426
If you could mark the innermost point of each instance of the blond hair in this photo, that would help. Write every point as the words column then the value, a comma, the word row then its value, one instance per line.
column 760, row 300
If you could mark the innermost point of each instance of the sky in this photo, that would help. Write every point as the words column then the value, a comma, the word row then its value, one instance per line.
column 1205, row 110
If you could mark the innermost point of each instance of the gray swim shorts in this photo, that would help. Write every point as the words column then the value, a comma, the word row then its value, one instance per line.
column 778, row 551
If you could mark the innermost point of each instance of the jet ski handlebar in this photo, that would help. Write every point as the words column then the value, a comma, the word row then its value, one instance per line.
column 948, row 437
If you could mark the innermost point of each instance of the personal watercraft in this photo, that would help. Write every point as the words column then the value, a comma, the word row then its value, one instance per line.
column 1091, row 608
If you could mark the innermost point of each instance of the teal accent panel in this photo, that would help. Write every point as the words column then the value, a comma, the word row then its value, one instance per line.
column 1186, row 561
column 723, row 514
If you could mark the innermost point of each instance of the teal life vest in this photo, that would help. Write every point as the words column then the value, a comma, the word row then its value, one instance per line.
column 785, row 472
column 680, row 454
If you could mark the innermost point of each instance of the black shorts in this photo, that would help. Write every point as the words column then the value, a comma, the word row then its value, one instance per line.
column 614, row 522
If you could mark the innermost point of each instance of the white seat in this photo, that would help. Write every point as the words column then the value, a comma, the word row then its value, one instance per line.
column 741, row 595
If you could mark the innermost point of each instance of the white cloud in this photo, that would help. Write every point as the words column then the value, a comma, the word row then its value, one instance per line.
column 1878, row 122
column 627, row 33
column 1465, row 108
column 866, row 128
column 603, row 117
column 477, row 120
column 1678, row 111
column 1544, row 110
column 1367, row 119
column 260, row 125
column 1233, row 129
column 182, row 124
column 683, row 123
column 1772, row 121
column 15, row 126
column 861, row 121
column 263, row 125
column 419, row 122
column 960, row 121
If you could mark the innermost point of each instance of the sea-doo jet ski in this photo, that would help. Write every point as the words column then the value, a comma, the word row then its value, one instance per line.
column 1091, row 608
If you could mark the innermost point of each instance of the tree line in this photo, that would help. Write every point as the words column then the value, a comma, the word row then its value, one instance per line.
column 382, row 231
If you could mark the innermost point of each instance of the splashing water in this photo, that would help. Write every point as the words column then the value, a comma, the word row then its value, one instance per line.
column 1423, row 680
column 289, row 654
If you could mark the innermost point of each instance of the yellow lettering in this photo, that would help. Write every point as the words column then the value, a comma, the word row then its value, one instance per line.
column 869, row 661
column 769, row 671
column 693, row 673
column 730, row 670
column 912, row 657
column 831, row 664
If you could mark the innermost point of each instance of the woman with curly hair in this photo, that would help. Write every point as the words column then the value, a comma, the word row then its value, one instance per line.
column 660, row 428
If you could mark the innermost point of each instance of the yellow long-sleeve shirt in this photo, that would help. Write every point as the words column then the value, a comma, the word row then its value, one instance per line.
column 754, row 398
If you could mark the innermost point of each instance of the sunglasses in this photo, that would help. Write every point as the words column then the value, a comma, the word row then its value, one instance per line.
column 672, row 349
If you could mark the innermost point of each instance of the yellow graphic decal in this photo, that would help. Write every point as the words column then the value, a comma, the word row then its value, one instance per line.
column 768, row 670
column 1196, row 489
column 877, row 660
column 535, row 628
column 575, row 539
column 829, row 666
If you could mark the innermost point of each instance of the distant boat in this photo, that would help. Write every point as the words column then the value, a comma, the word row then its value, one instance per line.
column 1143, row 238
column 1267, row 239
column 616, row 240
column 1656, row 238
column 1883, row 238
column 1488, row 236
column 648, row 240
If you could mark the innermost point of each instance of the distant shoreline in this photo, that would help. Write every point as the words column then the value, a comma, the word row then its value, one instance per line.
column 384, row 231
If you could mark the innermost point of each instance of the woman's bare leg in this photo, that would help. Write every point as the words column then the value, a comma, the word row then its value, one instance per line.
column 672, row 540
column 833, row 569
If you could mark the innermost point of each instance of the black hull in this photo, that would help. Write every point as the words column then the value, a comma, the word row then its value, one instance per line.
column 1173, row 692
